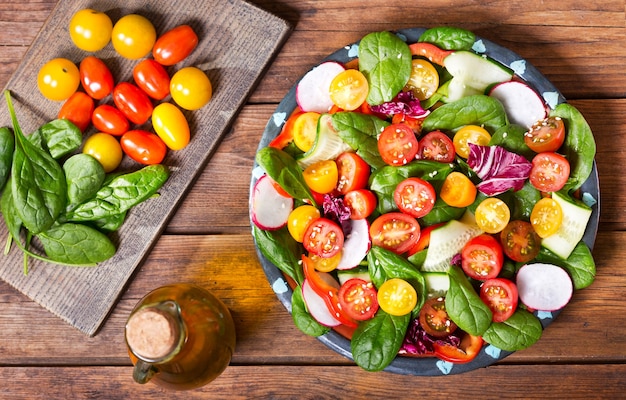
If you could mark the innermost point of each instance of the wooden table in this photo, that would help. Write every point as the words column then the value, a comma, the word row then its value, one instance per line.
column 579, row 46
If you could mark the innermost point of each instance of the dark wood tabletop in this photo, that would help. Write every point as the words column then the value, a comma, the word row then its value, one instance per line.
column 580, row 46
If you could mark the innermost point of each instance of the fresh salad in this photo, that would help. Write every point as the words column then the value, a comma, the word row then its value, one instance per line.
column 424, row 200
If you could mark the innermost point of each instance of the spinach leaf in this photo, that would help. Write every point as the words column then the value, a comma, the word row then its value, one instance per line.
column 511, row 137
column 110, row 223
column 385, row 60
column 441, row 212
column 7, row 146
column 76, row 244
column 282, row 168
column 7, row 208
column 464, row 306
column 84, row 176
column 302, row 319
column 471, row 110
column 282, row 251
column 59, row 137
column 375, row 343
column 449, row 38
column 521, row 203
column 519, row 331
column 579, row 147
column 580, row 264
column 360, row 131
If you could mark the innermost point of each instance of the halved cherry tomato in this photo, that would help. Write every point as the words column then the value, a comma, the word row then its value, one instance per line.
column 482, row 258
column 436, row 146
column 519, row 241
column 546, row 217
column 325, row 264
column 169, row 122
column 133, row 102
column 299, row 220
column 143, row 146
column 321, row 176
column 501, row 296
column 424, row 79
column 434, row 318
column 323, row 238
column 104, row 148
column 415, row 196
column 175, row 45
column 77, row 109
column 305, row 130
column 358, row 299
column 468, row 349
column 432, row 52
column 353, row 172
column 397, row 144
column 458, row 190
column 550, row 172
column 470, row 134
column 107, row 118
column 349, row 89
column 286, row 133
column 152, row 78
column 96, row 77
column 397, row 297
column 395, row 231
column 361, row 202
column 492, row 215
column 546, row 135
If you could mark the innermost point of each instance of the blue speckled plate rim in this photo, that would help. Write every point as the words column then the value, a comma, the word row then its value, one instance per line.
column 427, row 366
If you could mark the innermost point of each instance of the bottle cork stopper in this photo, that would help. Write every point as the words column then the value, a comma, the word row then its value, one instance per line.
column 151, row 333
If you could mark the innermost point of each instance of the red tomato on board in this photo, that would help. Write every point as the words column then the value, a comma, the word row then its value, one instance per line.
column 436, row 146
column 482, row 257
column 501, row 297
column 324, row 238
column 109, row 119
column 143, row 146
column 354, row 172
column 133, row 102
column 434, row 318
column 77, row 109
column 519, row 241
column 152, row 78
column 397, row 144
column 175, row 45
column 397, row 232
column 358, row 299
column 361, row 203
column 550, row 172
column 546, row 135
column 96, row 78
column 415, row 196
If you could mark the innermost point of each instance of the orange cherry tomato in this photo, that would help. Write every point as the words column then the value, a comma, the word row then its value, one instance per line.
column 458, row 190
column 77, row 109
column 175, row 45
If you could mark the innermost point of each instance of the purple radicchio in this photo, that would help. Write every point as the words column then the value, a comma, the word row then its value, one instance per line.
column 404, row 103
column 418, row 342
column 335, row 210
column 499, row 169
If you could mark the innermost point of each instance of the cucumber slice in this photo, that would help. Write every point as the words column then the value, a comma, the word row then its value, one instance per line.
column 472, row 74
column 447, row 241
column 328, row 145
column 360, row 272
column 575, row 218
column 437, row 284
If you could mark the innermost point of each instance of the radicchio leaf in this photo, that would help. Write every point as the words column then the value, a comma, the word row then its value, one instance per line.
column 418, row 342
column 499, row 169
column 335, row 210
column 404, row 103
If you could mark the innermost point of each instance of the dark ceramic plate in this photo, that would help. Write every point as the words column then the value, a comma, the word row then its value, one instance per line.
column 489, row 354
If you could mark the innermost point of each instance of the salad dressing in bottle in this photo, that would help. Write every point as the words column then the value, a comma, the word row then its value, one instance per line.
column 179, row 337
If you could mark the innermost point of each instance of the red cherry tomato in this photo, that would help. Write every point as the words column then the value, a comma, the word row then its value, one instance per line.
column 468, row 349
column 434, row 318
column 519, row 241
column 354, row 172
column 397, row 144
column 482, row 257
column 324, row 238
column 175, row 45
column 415, row 196
column 550, row 172
column 358, row 299
column 143, row 146
column 361, row 203
column 96, row 78
column 152, row 78
column 397, row 232
column 77, row 109
column 501, row 296
column 133, row 102
column 436, row 146
column 546, row 135
column 109, row 119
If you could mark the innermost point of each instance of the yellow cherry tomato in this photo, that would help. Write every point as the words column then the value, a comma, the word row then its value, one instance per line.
column 90, row 30
column 492, row 215
column 305, row 130
column 397, row 297
column 546, row 217
column 469, row 134
column 349, row 89
column 299, row 220
column 58, row 79
column 322, row 176
column 424, row 79
column 133, row 36
column 191, row 88
column 105, row 148
column 170, row 124
column 325, row 264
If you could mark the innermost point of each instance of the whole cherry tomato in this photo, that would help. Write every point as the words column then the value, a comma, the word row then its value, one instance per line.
column 143, row 146
column 175, row 45
column 170, row 124
column 58, row 79
column 77, row 109
column 191, row 88
column 133, row 36
column 90, row 30
column 96, row 78
column 133, row 102
column 109, row 119
column 104, row 148
column 152, row 78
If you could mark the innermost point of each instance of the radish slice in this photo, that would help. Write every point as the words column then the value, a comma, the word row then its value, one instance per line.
column 269, row 209
column 522, row 104
column 544, row 287
column 316, row 306
column 356, row 245
column 313, row 90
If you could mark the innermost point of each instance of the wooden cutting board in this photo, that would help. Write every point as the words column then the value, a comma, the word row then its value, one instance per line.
column 237, row 41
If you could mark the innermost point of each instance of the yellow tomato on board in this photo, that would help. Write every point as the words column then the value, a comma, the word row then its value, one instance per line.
column 133, row 36
column 90, row 30
column 58, row 79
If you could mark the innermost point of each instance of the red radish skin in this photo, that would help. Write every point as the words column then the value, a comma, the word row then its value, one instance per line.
column 356, row 245
column 269, row 209
column 523, row 104
column 317, row 306
column 313, row 90
column 544, row 287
